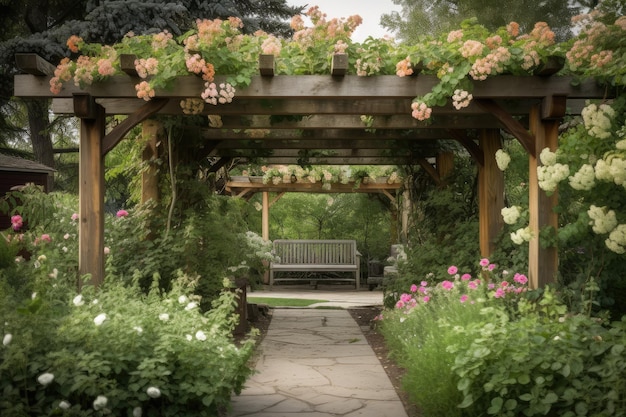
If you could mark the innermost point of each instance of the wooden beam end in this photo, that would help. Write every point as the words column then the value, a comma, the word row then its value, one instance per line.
column 127, row 64
column 339, row 65
column 553, row 107
column 34, row 64
column 267, row 65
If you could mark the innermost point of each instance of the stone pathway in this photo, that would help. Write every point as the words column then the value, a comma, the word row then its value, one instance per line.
column 317, row 363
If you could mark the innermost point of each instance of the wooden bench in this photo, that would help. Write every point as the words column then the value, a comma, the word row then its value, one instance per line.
column 316, row 256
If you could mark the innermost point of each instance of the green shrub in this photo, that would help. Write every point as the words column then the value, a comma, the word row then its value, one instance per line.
column 117, row 351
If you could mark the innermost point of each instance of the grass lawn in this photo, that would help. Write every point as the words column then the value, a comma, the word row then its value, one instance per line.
column 283, row 302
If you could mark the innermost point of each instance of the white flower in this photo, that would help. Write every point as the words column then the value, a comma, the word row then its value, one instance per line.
column 54, row 274
column 521, row 235
column 95, row 301
column 602, row 221
column 41, row 258
column 107, row 250
column 584, row 179
column 510, row 214
column 78, row 300
column 617, row 239
column 621, row 145
column 547, row 157
column 502, row 159
column 45, row 378
column 7, row 339
column 137, row 412
column 138, row 329
column 100, row 318
column 100, row 402
column 164, row 317
column 189, row 337
column 153, row 392
column 183, row 299
column 200, row 335
column 64, row 405
column 66, row 236
column 33, row 296
column 597, row 120
column 191, row 306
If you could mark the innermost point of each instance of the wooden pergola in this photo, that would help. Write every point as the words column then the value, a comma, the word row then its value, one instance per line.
column 325, row 127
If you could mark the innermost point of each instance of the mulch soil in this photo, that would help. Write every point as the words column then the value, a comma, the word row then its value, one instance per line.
column 364, row 316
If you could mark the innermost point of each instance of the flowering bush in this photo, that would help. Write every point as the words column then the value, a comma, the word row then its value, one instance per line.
column 117, row 351
column 328, row 174
column 484, row 346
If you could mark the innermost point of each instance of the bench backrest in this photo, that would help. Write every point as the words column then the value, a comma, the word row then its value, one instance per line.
column 316, row 252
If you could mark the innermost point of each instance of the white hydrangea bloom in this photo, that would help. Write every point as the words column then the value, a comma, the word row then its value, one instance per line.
column 603, row 170
column 550, row 176
column 621, row 145
column 602, row 221
column 183, row 299
column 521, row 235
column 200, row 335
column 510, row 214
column 597, row 120
column 617, row 239
column 547, row 157
column 618, row 170
column 99, row 319
column 584, row 179
column 502, row 159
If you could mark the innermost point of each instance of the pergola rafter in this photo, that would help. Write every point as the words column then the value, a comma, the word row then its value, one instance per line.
column 285, row 119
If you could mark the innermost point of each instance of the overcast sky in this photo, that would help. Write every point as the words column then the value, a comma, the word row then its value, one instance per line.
column 369, row 10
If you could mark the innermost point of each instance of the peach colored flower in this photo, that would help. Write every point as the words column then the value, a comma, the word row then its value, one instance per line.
column 73, row 43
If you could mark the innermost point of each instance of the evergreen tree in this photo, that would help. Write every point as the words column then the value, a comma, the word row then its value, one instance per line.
column 43, row 27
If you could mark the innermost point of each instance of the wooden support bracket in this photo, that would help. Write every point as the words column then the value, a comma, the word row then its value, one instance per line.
column 472, row 147
column 141, row 114
column 278, row 197
column 339, row 65
column 522, row 134
column 34, row 64
column 267, row 65
column 430, row 170
column 219, row 164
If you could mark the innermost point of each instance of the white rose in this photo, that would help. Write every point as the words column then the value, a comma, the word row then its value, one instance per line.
column 153, row 392
column 45, row 378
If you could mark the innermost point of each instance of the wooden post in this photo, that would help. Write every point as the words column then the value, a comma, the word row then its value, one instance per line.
column 91, row 193
column 265, row 216
column 265, row 226
column 490, row 192
column 542, row 262
column 150, row 131
column 407, row 208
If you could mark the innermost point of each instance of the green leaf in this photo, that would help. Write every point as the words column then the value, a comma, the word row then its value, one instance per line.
column 550, row 398
column 526, row 397
column 617, row 350
column 463, row 384
column 523, row 379
column 581, row 408
column 496, row 405
column 467, row 401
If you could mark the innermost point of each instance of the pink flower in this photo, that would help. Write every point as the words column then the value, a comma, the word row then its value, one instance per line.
column 45, row 238
column 463, row 298
column 426, row 299
column 17, row 222
column 400, row 304
column 75, row 216
column 466, row 277
column 121, row 213
column 499, row 293
column 405, row 298
column 472, row 285
column 520, row 279
column 491, row 267
column 447, row 285
column 413, row 288
column 484, row 262
column 504, row 284
column 453, row 270
column 421, row 111
column 422, row 290
column 424, row 283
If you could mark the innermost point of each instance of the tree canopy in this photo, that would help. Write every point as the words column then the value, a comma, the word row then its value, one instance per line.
column 427, row 17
